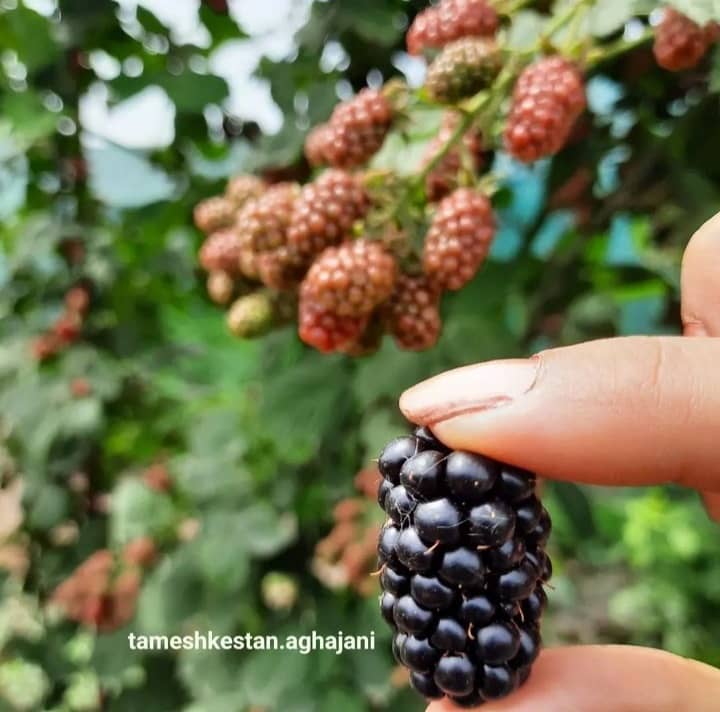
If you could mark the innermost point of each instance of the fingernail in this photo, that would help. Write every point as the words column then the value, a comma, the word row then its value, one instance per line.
column 472, row 389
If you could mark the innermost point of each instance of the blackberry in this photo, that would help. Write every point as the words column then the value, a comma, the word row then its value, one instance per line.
column 468, row 156
column 325, row 330
column 462, row 568
column 325, row 211
column 355, row 132
column 463, row 68
column 214, row 214
column 451, row 20
column 352, row 279
column 263, row 222
column 243, row 188
column 220, row 286
column 282, row 268
column 315, row 145
column 412, row 313
column 458, row 239
column 220, row 252
column 548, row 98
column 680, row 43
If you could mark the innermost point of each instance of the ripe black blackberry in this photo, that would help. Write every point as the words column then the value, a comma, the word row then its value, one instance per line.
column 325, row 211
column 214, row 214
column 352, row 279
column 548, row 98
column 451, row 20
column 459, row 238
column 463, row 68
column 680, row 43
column 462, row 568
column 355, row 132
column 412, row 313
column 445, row 176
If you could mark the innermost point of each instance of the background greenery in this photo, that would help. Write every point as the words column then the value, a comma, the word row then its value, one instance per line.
column 262, row 439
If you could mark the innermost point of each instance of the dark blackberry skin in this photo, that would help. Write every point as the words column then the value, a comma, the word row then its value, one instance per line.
column 462, row 567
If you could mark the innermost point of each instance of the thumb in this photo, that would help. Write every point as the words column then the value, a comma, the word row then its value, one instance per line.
column 613, row 677
column 629, row 411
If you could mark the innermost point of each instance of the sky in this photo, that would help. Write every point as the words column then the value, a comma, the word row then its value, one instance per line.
column 146, row 120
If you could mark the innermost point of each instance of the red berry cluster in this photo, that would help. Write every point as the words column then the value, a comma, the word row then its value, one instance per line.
column 355, row 132
column 346, row 557
column 450, row 20
column 681, row 43
column 67, row 327
column 548, row 98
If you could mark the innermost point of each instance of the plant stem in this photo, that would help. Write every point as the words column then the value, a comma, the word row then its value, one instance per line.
column 598, row 56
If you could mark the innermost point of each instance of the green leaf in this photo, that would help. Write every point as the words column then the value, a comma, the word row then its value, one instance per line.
column 266, row 532
column 526, row 27
column 29, row 34
column 139, row 511
column 701, row 11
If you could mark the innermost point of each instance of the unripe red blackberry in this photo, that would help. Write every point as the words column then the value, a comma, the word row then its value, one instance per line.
column 214, row 214
column 680, row 43
column 444, row 178
column 462, row 570
column 459, row 238
column 463, row 68
column 243, row 188
column 352, row 279
column 451, row 20
column 324, row 213
column 413, row 313
column 282, row 269
column 548, row 98
column 263, row 223
column 251, row 316
column 220, row 287
column 315, row 145
column 324, row 330
column 220, row 252
column 357, row 129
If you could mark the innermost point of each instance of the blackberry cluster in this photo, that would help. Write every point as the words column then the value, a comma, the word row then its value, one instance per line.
column 459, row 238
column 681, row 43
column 463, row 68
column 548, row 98
column 444, row 177
column 463, row 565
column 355, row 132
column 325, row 212
column 413, row 313
column 352, row 279
column 450, row 20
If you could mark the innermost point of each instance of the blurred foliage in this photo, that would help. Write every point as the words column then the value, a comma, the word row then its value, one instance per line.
column 258, row 441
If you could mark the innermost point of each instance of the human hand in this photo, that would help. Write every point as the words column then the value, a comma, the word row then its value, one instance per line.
column 626, row 411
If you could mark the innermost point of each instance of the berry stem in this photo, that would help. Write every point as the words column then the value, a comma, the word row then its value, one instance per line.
column 600, row 55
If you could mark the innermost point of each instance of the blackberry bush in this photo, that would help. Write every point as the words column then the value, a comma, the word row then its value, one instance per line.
column 450, row 20
column 548, row 98
column 462, row 567
column 459, row 238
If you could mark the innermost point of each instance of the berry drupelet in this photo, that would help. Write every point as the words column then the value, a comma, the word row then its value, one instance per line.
column 462, row 568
